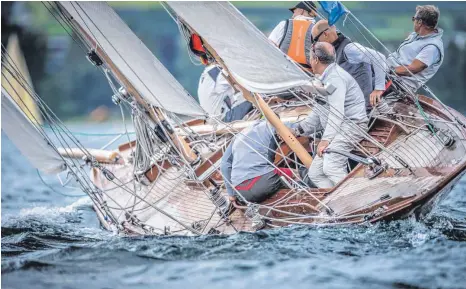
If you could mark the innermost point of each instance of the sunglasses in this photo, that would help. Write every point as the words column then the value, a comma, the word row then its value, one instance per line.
column 414, row 18
column 316, row 39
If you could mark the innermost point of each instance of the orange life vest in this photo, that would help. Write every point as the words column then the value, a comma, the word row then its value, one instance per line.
column 197, row 47
column 297, row 40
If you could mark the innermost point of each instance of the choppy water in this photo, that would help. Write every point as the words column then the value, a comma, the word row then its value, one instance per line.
column 54, row 241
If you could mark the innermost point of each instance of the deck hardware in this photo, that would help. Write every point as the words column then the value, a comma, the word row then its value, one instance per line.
column 447, row 138
column 329, row 211
column 213, row 231
column 460, row 122
column 378, row 212
column 94, row 58
column 108, row 174
column 199, row 225
column 252, row 213
column 404, row 164
column 385, row 197
column 374, row 164
column 220, row 202
column 160, row 133
column 167, row 126
column 122, row 94
column 375, row 170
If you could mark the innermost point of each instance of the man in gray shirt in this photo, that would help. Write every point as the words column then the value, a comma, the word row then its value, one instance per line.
column 247, row 164
column 421, row 54
column 366, row 65
column 347, row 101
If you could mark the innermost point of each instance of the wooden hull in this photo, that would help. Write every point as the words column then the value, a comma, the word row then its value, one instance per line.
column 169, row 201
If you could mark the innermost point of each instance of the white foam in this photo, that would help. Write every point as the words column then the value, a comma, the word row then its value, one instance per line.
column 54, row 211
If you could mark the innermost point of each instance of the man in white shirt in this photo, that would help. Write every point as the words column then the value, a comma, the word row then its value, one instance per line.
column 367, row 66
column 218, row 98
column 293, row 36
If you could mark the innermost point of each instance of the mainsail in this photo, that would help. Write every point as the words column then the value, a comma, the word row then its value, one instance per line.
column 137, row 63
column 250, row 57
column 28, row 139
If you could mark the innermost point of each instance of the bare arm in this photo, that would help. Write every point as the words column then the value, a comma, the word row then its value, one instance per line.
column 415, row 67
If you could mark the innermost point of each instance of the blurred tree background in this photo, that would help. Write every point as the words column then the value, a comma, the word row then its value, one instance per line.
column 72, row 87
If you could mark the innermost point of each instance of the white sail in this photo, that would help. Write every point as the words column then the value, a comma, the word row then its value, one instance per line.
column 137, row 63
column 27, row 138
column 252, row 59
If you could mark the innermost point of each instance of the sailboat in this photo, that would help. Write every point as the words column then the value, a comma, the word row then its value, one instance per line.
column 168, row 181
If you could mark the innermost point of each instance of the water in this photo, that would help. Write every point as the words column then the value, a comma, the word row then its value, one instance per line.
column 54, row 241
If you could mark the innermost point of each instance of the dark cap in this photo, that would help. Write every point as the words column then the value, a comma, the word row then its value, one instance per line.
column 308, row 6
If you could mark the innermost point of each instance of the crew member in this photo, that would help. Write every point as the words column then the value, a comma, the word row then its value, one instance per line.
column 421, row 54
column 216, row 96
column 293, row 36
column 347, row 100
column 366, row 65
column 247, row 164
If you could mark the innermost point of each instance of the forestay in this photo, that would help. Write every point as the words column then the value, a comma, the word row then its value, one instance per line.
column 251, row 58
column 135, row 61
column 28, row 139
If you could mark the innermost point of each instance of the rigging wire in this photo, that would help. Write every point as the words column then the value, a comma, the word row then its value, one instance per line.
column 57, row 192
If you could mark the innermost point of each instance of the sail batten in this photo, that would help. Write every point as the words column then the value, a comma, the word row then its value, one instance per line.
column 134, row 60
column 250, row 57
column 28, row 139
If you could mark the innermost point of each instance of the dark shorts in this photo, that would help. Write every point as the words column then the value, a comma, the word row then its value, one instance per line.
column 259, row 189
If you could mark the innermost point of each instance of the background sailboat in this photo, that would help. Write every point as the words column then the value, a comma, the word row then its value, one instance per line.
column 13, row 87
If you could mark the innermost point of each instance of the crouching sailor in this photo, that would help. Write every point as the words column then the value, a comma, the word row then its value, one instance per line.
column 347, row 100
column 247, row 164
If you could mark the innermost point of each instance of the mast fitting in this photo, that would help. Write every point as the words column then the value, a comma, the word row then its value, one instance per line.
column 94, row 58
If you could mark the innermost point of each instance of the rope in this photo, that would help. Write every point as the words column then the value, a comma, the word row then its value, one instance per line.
column 93, row 134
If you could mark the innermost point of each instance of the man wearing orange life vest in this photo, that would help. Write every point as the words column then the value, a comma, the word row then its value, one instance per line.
column 294, row 36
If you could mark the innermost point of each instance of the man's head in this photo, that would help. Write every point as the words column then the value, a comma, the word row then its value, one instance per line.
column 304, row 8
column 322, row 55
column 322, row 32
column 426, row 17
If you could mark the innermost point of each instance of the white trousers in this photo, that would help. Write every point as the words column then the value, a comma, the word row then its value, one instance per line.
column 331, row 168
